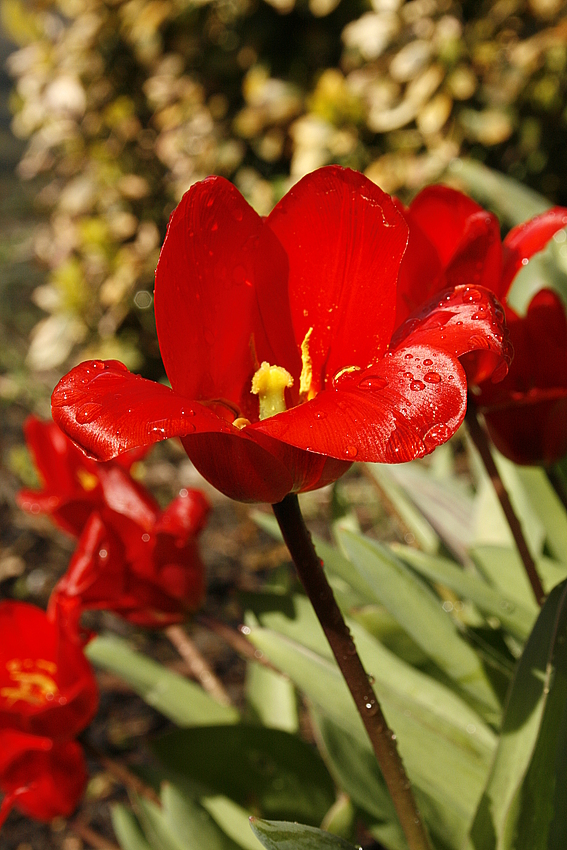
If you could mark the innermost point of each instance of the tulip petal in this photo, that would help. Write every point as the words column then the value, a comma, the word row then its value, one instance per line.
column 527, row 239
column 344, row 239
column 221, row 282
column 466, row 236
column 411, row 400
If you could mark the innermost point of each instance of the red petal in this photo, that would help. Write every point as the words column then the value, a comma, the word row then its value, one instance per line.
column 221, row 284
column 466, row 236
column 108, row 410
column 185, row 517
column 45, row 779
column 344, row 239
column 525, row 240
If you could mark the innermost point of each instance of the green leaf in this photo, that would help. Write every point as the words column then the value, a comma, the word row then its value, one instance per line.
column 252, row 765
column 272, row 698
column 548, row 507
column 279, row 835
column 418, row 610
column 503, row 567
column 191, row 824
column 439, row 736
column 156, row 828
column 182, row 701
column 516, row 617
column 524, row 803
column 232, row 819
column 127, row 829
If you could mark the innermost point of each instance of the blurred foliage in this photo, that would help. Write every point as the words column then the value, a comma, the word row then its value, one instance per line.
column 125, row 103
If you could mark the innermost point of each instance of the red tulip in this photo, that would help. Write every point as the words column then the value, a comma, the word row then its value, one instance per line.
column 73, row 484
column 311, row 289
column 47, row 687
column 149, row 573
column 42, row 778
column 453, row 240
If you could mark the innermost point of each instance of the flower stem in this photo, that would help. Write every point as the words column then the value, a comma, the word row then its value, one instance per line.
column 196, row 664
column 312, row 575
column 480, row 440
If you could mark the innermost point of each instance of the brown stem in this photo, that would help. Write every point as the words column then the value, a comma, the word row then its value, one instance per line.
column 480, row 440
column 197, row 666
column 312, row 575
column 235, row 639
column 125, row 776
column 90, row 837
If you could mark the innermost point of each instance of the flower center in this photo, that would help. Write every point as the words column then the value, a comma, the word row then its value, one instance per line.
column 269, row 384
column 33, row 682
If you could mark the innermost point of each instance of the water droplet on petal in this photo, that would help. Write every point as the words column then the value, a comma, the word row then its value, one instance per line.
column 351, row 451
column 373, row 382
column 471, row 295
column 88, row 412
column 417, row 385
column 432, row 377
column 428, row 362
column 409, row 356
column 408, row 375
column 436, row 435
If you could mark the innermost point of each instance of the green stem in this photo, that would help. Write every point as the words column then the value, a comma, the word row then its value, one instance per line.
column 480, row 440
column 312, row 575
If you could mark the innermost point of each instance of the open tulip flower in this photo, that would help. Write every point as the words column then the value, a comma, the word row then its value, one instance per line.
column 149, row 572
column 47, row 687
column 453, row 240
column 73, row 484
column 41, row 778
column 277, row 336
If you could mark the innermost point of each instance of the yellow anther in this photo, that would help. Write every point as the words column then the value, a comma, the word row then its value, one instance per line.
column 241, row 422
column 87, row 480
column 306, row 390
column 33, row 687
column 269, row 384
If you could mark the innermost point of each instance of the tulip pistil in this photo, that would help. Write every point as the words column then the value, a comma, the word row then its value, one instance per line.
column 269, row 384
column 33, row 682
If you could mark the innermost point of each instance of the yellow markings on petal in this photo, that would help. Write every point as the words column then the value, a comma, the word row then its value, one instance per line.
column 33, row 682
column 87, row 480
column 269, row 384
column 306, row 391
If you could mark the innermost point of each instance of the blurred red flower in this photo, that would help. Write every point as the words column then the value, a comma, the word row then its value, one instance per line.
column 73, row 484
column 149, row 572
column 42, row 778
column 454, row 240
column 47, row 686
column 277, row 337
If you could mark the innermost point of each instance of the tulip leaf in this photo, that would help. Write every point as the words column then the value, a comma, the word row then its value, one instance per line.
column 439, row 736
column 191, row 824
column 182, row 701
column 548, row 507
column 232, row 819
column 504, row 569
column 524, row 805
column 127, row 829
column 254, row 766
column 515, row 617
column 418, row 610
column 272, row 698
column 279, row 835
column 156, row 828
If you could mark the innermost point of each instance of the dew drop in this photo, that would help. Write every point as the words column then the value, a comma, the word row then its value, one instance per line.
column 428, row 362
column 351, row 451
column 409, row 356
column 471, row 295
column 320, row 414
column 432, row 377
column 408, row 375
column 417, row 385
column 373, row 382
column 88, row 412
column 436, row 435
column 477, row 316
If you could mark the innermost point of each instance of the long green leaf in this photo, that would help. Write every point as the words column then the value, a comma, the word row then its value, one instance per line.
column 182, row 701
column 279, row 835
column 127, row 829
column 547, row 505
column 523, row 806
column 190, row 824
column 418, row 610
column 517, row 618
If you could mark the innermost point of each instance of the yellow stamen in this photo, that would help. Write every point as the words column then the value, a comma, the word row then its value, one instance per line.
column 33, row 686
column 241, row 422
column 269, row 384
column 87, row 480
column 306, row 390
